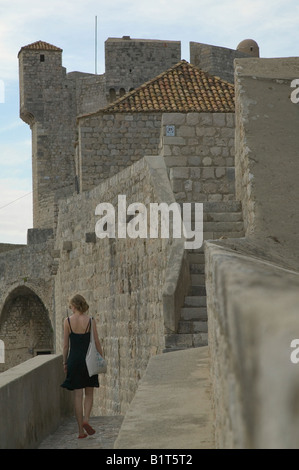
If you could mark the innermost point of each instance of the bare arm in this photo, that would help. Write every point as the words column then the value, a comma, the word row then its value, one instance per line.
column 66, row 335
column 96, row 338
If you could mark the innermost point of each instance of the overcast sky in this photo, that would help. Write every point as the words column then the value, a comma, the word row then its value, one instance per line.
column 70, row 25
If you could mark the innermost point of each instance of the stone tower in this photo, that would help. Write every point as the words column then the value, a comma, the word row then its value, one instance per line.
column 46, row 104
column 131, row 62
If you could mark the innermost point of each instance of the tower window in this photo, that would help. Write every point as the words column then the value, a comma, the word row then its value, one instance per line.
column 42, row 58
column 112, row 95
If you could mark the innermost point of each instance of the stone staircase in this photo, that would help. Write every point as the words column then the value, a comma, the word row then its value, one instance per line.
column 221, row 220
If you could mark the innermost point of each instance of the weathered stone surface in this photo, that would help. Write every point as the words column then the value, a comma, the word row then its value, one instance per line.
column 252, row 319
column 253, row 283
column 121, row 278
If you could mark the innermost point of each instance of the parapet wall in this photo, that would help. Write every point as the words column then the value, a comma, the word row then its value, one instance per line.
column 253, row 283
column 32, row 403
column 123, row 279
column 218, row 61
column 253, row 318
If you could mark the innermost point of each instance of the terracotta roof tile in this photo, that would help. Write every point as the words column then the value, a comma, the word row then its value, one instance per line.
column 183, row 88
column 41, row 46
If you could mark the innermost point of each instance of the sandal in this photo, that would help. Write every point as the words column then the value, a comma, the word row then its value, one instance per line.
column 81, row 436
column 88, row 429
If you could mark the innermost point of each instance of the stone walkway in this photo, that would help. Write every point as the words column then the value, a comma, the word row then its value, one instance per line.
column 66, row 436
column 171, row 410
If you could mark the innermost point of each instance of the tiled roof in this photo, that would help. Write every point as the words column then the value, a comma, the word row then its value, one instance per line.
column 183, row 88
column 41, row 46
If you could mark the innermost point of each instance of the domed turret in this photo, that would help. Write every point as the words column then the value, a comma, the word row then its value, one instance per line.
column 250, row 47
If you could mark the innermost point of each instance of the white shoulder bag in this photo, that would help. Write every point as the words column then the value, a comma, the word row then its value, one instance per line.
column 95, row 363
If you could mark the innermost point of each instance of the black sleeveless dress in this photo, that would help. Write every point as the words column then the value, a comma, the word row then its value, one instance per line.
column 77, row 373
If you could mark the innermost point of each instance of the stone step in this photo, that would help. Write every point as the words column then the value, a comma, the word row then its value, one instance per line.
column 194, row 326
column 216, row 217
column 193, row 313
column 222, row 206
column 195, row 301
column 197, row 290
column 197, row 279
column 175, row 341
column 222, row 217
column 196, row 258
column 197, row 268
column 218, row 207
column 219, row 235
column 223, row 227
column 212, row 225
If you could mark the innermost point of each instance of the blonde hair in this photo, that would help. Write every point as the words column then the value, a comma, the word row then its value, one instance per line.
column 79, row 303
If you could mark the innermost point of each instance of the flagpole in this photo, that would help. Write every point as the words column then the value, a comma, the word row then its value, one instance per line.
column 96, row 44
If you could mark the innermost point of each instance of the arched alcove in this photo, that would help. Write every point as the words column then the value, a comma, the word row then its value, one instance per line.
column 25, row 327
column 112, row 95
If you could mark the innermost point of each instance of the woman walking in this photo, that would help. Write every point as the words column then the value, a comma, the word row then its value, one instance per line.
column 77, row 329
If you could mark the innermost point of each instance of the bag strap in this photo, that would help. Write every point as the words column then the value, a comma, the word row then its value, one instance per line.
column 68, row 319
column 91, row 329
column 88, row 325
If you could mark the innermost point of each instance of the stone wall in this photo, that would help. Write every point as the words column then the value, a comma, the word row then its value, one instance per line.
column 253, row 283
column 200, row 155
column 252, row 320
column 109, row 143
column 131, row 62
column 122, row 279
column 90, row 91
column 218, row 61
column 32, row 403
column 266, row 150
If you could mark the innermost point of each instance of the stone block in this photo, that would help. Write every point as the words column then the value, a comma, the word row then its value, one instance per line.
column 90, row 237
column 179, row 172
column 176, row 119
column 179, row 140
column 38, row 235
column 192, row 119
column 208, row 173
column 219, row 119
column 185, row 131
column 194, row 160
column 220, row 172
column 67, row 246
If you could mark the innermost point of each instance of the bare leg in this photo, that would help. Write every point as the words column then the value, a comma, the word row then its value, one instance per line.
column 88, row 402
column 79, row 409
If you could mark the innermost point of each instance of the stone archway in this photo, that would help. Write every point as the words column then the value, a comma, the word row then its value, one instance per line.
column 25, row 327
